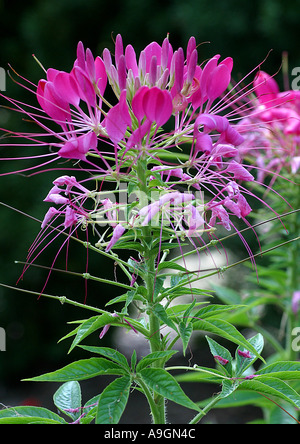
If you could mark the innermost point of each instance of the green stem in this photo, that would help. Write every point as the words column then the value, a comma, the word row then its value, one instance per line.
column 153, row 407
column 154, row 323
column 206, row 409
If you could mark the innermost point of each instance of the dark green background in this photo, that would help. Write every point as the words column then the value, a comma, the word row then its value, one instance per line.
column 244, row 30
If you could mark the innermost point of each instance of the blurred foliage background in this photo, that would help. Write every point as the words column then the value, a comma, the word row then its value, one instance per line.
column 50, row 29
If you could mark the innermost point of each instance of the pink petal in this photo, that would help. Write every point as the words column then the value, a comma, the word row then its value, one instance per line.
column 78, row 147
column 118, row 49
column 85, row 86
column 49, row 216
column 137, row 103
column 207, row 70
column 117, row 233
column 122, row 74
column 239, row 172
column 70, row 218
column 100, row 75
column 158, row 105
column 56, row 107
column 153, row 49
column 218, row 82
column 118, row 119
column 266, row 88
column 67, row 88
column 131, row 63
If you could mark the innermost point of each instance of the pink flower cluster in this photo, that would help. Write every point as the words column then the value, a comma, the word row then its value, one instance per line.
column 272, row 129
column 160, row 87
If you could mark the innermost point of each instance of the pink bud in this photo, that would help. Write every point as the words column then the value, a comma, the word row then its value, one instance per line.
column 106, row 327
column 70, row 217
column 244, row 354
column 49, row 216
column 118, row 49
column 122, row 75
column 117, row 233
column 130, row 57
column 221, row 360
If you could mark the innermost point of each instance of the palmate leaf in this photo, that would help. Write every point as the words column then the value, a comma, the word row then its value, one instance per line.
column 286, row 370
column 110, row 353
column 165, row 385
column 227, row 331
column 153, row 357
column 29, row 415
column 270, row 386
column 90, row 326
column 81, row 370
column 185, row 331
column 113, row 400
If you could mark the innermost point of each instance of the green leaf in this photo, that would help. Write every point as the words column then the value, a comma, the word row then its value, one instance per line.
column 89, row 326
column 242, row 364
column 165, row 385
column 227, row 295
column 153, row 357
column 272, row 387
column 215, row 310
column 227, row 331
column 185, row 331
column 228, row 387
column 218, row 350
column 161, row 313
column 81, row 370
column 29, row 415
column 133, row 361
column 287, row 370
column 68, row 397
column 181, row 310
column 172, row 265
column 113, row 400
column 110, row 353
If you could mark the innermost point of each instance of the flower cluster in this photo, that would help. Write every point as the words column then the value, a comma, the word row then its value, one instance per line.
column 166, row 131
column 272, row 129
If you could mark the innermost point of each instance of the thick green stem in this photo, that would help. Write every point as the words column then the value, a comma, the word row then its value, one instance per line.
column 158, row 405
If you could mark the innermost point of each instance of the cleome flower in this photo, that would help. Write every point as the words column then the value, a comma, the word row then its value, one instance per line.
column 170, row 133
column 272, row 129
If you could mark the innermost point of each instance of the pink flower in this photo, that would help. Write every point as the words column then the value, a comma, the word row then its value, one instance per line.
column 78, row 147
column 221, row 360
column 111, row 211
column 274, row 125
column 117, row 233
column 245, row 354
column 49, row 216
column 266, row 88
column 296, row 302
column 107, row 327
